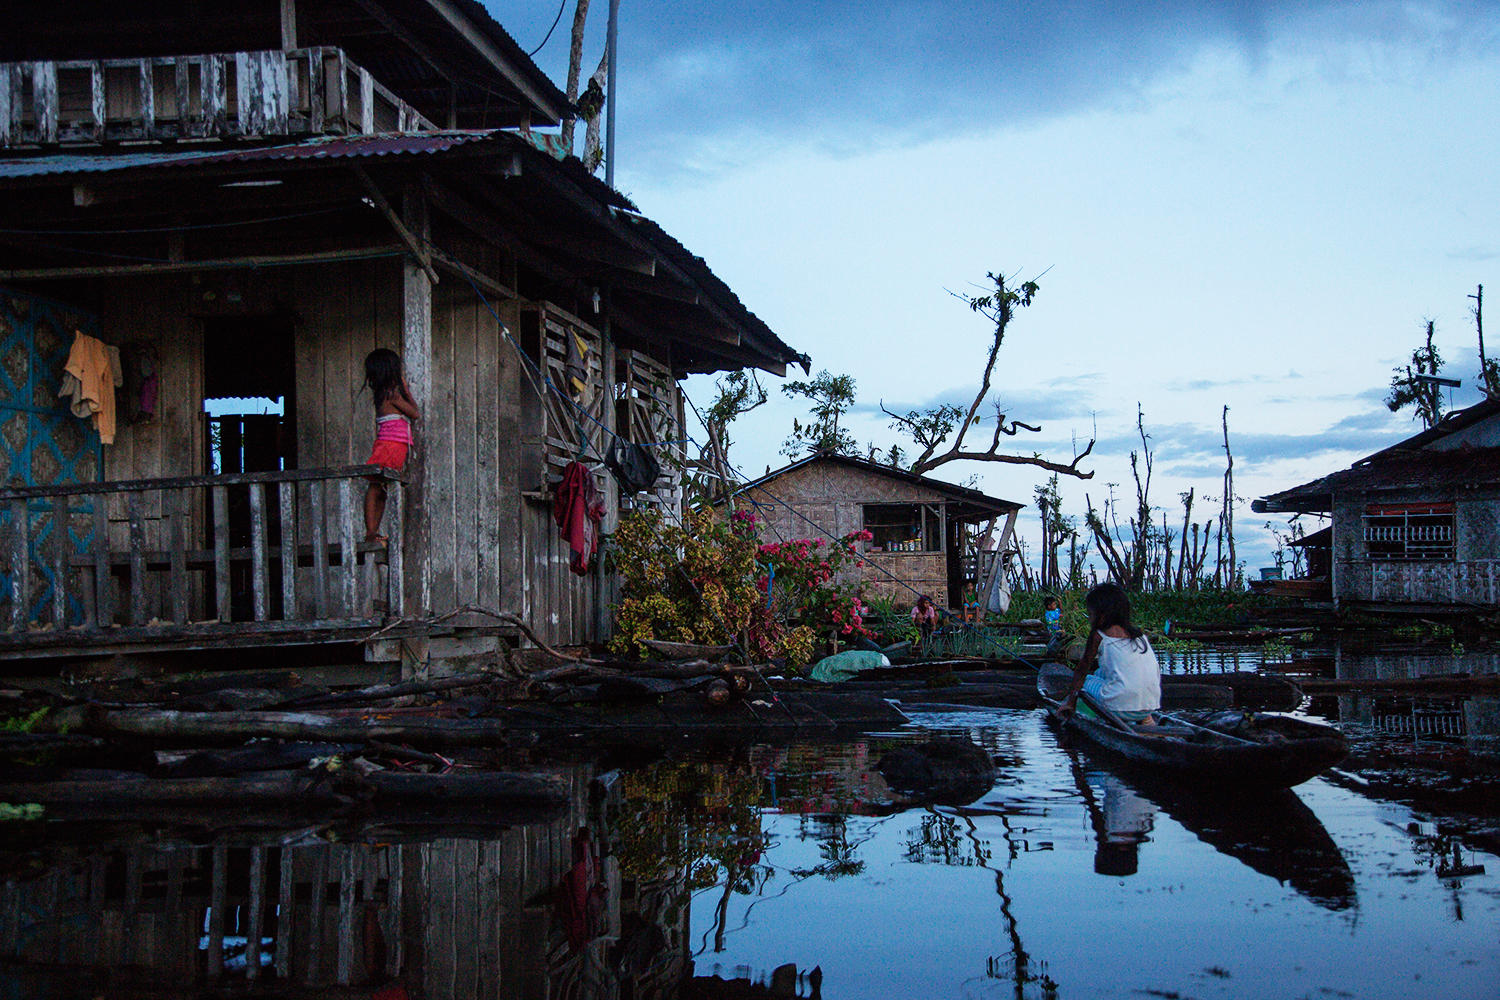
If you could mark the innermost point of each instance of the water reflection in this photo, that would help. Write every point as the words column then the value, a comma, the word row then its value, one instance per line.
column 785, row 865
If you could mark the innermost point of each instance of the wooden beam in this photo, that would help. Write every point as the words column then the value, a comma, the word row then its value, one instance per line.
column 471, row 34
column 420, row 48
column 661, row 287
column 416, row 356
column 418, row 248
column 484, row 225
column 484, row 281
column 288, row 25
column 189, row 266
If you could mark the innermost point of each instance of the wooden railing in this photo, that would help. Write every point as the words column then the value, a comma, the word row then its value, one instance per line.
column 303, row 92
column 231, row 550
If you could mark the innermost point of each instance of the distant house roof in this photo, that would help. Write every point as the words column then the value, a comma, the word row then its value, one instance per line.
column 1418, row 462
column 974, row 504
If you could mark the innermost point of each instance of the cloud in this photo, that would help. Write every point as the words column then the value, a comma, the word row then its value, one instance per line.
column 710, row 83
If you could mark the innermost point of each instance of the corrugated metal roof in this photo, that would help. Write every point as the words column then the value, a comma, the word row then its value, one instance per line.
column 322, row 147
column 1434, row 473
column 937, row 485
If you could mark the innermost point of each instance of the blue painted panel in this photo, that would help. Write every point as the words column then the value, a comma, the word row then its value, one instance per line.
column 41, row 442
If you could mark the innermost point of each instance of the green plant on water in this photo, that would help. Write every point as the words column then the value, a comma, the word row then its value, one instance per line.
column 25, row 811
column 24, row 723
column 1458, row 648
column 1166, row 644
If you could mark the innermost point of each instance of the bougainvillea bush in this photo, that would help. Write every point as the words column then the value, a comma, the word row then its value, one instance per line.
column 708, row 581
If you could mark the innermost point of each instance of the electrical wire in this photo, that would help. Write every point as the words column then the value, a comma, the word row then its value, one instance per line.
column 555, row 22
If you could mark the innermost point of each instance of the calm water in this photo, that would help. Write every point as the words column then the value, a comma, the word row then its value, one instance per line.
column 1068, row 880
column 1065, row 880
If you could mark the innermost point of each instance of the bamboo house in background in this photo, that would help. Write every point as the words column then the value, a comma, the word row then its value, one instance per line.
column 1416, row 526
column 241, row 202
column 928, row 536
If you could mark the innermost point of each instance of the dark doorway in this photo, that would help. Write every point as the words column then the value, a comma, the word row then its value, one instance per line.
column 249, row 389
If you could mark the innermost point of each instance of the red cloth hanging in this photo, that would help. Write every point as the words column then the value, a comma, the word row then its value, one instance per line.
column 578, row 511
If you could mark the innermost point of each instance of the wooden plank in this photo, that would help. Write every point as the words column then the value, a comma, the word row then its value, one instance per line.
column 215, row 95
column 317, row 91
column 348, row 561
column 137, row 559
column 218, row 901
column 182, row 89
column 319, row 908
column 274, row 95
column 190, row 266
column 177, row 534
column 58, row 559
column 44, row 100
column 96, row 99
column 344, row 962
column 20, row 566
column 487, row 378
column 258, row 551
column 9, row 94
column 104, row 581
column 256, row 912
column 466, row 456
column 440, row 440
column 222, row 588
column 247, row 94
column 338, row 94
column 285, row 915
column 319, row 516
column 148, row 97
column 416, row 351
column 395, row 573
column 366, row 101
column 287, row 508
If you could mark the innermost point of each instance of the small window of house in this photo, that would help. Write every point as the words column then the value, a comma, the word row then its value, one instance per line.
column 897, row 527
column 1409, row 532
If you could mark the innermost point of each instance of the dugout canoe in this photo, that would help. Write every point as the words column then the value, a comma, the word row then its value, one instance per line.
column 1223, row 749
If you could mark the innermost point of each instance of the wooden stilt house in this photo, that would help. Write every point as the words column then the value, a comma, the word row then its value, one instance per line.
column 245, row 200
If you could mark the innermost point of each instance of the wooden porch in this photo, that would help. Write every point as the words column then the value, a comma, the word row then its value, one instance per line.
column 225, row 560
column 302, row 92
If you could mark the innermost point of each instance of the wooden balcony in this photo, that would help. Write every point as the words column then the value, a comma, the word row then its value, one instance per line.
column 208, row 557
column 244, row 95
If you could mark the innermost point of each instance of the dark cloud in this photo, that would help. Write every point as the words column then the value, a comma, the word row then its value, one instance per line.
column 858, row 74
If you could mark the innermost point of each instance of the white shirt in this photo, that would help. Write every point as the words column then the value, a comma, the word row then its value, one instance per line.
column 1132, row 678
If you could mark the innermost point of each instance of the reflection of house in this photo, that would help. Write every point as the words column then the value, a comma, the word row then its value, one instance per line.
column 481, row 915
column 253, row 197
column 1417, row 523
column 927, row 534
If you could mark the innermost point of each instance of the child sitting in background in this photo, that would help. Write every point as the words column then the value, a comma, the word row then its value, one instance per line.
column 1052, row 619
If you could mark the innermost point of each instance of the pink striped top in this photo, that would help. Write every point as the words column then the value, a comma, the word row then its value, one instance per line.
column 393, row 427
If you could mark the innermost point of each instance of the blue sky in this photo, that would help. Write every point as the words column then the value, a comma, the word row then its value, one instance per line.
column 1246, row 204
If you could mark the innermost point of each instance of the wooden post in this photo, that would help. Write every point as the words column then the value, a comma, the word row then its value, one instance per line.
column 256, row 912
column 416, row 358
column 315, row 495
column 348, row 556
column 104, row 580
column 44, row 100
column 395, row 564
column 221, row 553
column 285, row 915
column 59, row 549
column 288, row 513
column 344, row 962
column 258, row 550
column 176, row 535
column 218, row 900
column 20, row 567
column 288, row 25
column 137, row 558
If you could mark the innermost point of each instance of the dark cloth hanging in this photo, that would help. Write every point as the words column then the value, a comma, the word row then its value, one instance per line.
column 633, row 465
column 578, row 510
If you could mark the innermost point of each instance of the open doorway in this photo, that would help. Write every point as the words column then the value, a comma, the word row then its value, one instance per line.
column 250, row 407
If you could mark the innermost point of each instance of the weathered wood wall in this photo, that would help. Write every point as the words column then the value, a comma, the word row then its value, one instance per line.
column 478, row 440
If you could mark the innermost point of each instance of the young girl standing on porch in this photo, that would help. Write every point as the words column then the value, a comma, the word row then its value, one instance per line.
column 394, row 412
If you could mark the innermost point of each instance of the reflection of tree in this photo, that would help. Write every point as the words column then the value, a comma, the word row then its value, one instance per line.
column 686, row 818
column 832, row 833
